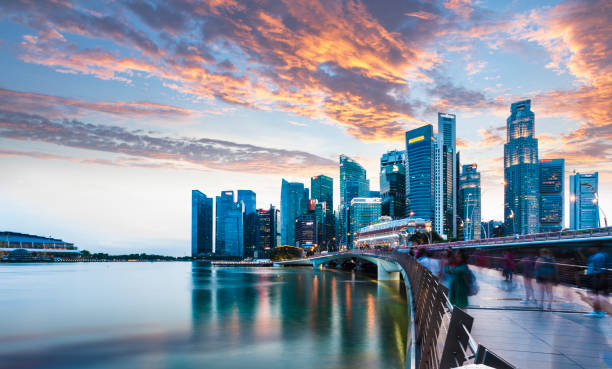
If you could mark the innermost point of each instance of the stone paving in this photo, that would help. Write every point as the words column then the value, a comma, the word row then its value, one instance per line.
column 529, row 338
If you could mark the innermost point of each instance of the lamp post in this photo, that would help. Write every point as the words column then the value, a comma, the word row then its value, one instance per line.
column 428, row 230
column 596, row 202
column 513, row 224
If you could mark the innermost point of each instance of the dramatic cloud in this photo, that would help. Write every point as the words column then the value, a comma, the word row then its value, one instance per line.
column 348, row 62
column 55, row 106
column 203, row 152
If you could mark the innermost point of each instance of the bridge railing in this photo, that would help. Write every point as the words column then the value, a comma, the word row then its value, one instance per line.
column 443, row 336
column 545, row 236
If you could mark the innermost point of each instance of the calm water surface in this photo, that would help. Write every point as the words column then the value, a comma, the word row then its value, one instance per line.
column 184, row 315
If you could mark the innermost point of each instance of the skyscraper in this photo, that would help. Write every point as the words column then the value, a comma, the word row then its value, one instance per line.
column 438, row 180
column 469, row 203
column 420, row 152
column 447, row 129
column 521, row 172
column 393, row 184
column 584, row 200
column 233, row 230
column 552, row 178
column 305, row 230
column 322, row 190
column 353, row 183
column 365, row 211
column 293, row 204
column 201, row 224
column 267, row 223
column 222, row 206
column 249, row 200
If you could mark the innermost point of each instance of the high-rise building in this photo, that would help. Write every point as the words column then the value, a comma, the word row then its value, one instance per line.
column 521, row 172
column 552, row 178
column 584, row 200
column 421, row 152
column 447, row 129
column 222, row 206
column 233, row 228
column 249, row 199
column 438, row 180
column 393, row 184
column 293, row 204
column 267, row 223
column 305, row 230
column 365, row 211
column 469, row 203
column 201, row 224
column 353, row 183
column 322, row 190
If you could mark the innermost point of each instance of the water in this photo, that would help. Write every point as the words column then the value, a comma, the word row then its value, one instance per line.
column 184, row 315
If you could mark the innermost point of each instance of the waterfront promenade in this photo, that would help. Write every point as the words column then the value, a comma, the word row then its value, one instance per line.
column 528, row 338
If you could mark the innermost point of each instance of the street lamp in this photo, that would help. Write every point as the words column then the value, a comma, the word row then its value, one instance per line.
column 428, row 230
column 513, row 224
column 596, row 202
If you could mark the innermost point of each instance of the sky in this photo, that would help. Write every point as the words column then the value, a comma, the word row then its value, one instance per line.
column 111, row 112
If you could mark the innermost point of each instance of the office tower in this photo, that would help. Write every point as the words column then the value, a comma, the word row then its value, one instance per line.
column 521, row 172
column 267, row 224
column 305, row 230
column 293, row 205
column 552, row 178
column 469, row 203
column 201, row 224
column 353, row 183
column 447, row 129
column 322, row 190
column 438, row 220
column 492, row 228
column 584, row 201
column 422, row 152
column 249, row 200
column 365, row 211
column 222, row 206
column 233, row 227
column 393, row 184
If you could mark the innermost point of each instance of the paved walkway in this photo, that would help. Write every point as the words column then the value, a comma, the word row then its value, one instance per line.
column 529, row 338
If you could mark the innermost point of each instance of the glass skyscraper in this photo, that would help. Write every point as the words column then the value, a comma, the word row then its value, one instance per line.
column 322, row 190
column 222, row 206
column 552, row 178
column 201, row 224
column 584, row 198
column 293, row 204
column 365, row 211
column 521, row 172
column 420, row 152
column 353, row 183
column 268, row 228
column 249, row 200
column 393, row 184
column 447, row 130
column 469, row 203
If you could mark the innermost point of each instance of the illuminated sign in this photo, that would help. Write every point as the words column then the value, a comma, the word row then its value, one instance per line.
column 545, row 161
column 474, row 166
column 416, row 139
column 228, row 193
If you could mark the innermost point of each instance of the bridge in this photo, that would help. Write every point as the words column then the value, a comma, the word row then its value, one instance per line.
column 441, row 336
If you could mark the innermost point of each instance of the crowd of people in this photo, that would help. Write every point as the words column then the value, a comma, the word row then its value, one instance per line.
column 451, row 268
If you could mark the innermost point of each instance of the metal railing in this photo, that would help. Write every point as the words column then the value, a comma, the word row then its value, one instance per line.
column 546, row 236
column 442, row 333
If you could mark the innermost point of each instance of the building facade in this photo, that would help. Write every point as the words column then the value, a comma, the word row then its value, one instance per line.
column 249, row 200
column 322, row 190
column 391, row 233
column 293, row 204
column 234, row 230
column 353, row 183
column 305, row 230
column 393, row 184
column 584, row 200
column 201, row 224
column 11, row 241
column 420, row 172
column 447, row 129
column 223, row 204
column 267, row 231
column 521, row 172
column 365, row 211
column 552, row 189
column 469, row 203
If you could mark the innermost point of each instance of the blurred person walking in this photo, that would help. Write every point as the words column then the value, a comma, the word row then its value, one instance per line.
column 461, row 279
column 508, row 266
column 546, row 276
column 597, row 270
column 528, row 269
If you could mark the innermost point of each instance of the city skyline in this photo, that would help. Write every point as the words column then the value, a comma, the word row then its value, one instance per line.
column 115, row 112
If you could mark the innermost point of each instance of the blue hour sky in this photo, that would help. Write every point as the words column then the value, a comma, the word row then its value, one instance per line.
column 112, row 111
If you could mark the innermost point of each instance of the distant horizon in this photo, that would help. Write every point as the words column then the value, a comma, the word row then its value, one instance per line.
column 110, row 114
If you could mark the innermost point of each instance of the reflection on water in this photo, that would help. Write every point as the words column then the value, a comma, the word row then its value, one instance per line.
column 181, row 315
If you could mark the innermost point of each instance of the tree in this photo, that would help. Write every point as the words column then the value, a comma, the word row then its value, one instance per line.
column 85, row 254
column 422, row 238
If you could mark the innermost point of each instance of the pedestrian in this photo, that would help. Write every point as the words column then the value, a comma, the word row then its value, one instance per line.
column 430, row 263
column 460, row 280
column 528, row 269
column 508, row 266
column 546, row 276
column 597, row 270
